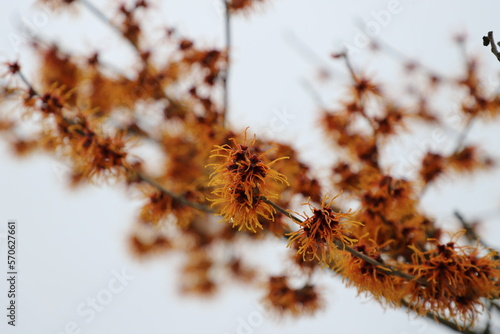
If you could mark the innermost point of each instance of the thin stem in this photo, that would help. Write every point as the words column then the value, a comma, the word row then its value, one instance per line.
column 179, row 198
column 32, row 90
column 495, row 306
column 489, row 40
column 225, row 74
column 313, row 93
column 380, row 266
column 460, row 140
column 349, row 66
column 100, row 15
column 356, row 80
column 471, row 234
column 443, row 321
column 463, row 135
column 282, row 210
column 396, row 54
column 307, row 53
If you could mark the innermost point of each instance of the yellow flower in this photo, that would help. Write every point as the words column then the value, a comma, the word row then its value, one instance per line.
column 243, row 179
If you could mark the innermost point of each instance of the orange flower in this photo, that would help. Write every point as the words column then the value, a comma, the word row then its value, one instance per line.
column 160, row 206
column 433, row 165
column 236, row 6
column 318, row 234
column 156, row 244
column 242, row 179
column 284, row 299
column 458, row 278
column 369, row 279
column 468, row 159
column 197, row 275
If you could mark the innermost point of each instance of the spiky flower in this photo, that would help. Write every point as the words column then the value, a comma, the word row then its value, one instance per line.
column 370, row 279
column 243, row 180
column 458, row 278
column 319, row 234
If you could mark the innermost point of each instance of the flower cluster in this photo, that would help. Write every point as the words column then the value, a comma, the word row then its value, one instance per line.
column 373, row 280
column 243, row 182
column 456, row 279
column 104, row 122
column 284, row 299
column 321, row 234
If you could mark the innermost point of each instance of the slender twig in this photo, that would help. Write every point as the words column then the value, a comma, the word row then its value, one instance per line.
column 178, row 198
column 348, row 65
column 282, row 210
column 463, row 135
column 489, row 40
column 313, row 93
column 449, row 324
column 100, row 15
column 495, row 306
column 306, row 52
column 396, row 54
column 471, row 234
column 380, row 266
column 225, row 74
column 442, row 321
column 487, row 329
column 362, row 100
column 32, row 90
column 458, row 145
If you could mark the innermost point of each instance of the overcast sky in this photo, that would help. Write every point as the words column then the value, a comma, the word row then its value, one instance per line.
column 72, row 246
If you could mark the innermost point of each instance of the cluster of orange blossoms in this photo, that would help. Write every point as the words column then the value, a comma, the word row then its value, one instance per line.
column 97, row 121
column 242, row 184
column 285, row 299
column 319, row 235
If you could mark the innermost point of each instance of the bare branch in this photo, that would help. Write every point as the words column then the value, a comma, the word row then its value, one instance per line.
column 489, row 40
column 225, row 74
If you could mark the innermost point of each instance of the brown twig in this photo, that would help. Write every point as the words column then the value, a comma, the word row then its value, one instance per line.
column 397, row 55
column 471, row 234
column 463, row 135
column 178, row 198
column 101, row 16
column 443, row 321
column 307, row 53
column 348, row 65
column 489, row 40
column 380, row 266
column 225, row 74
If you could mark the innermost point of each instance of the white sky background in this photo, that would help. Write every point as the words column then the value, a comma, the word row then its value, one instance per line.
column 70, row 243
